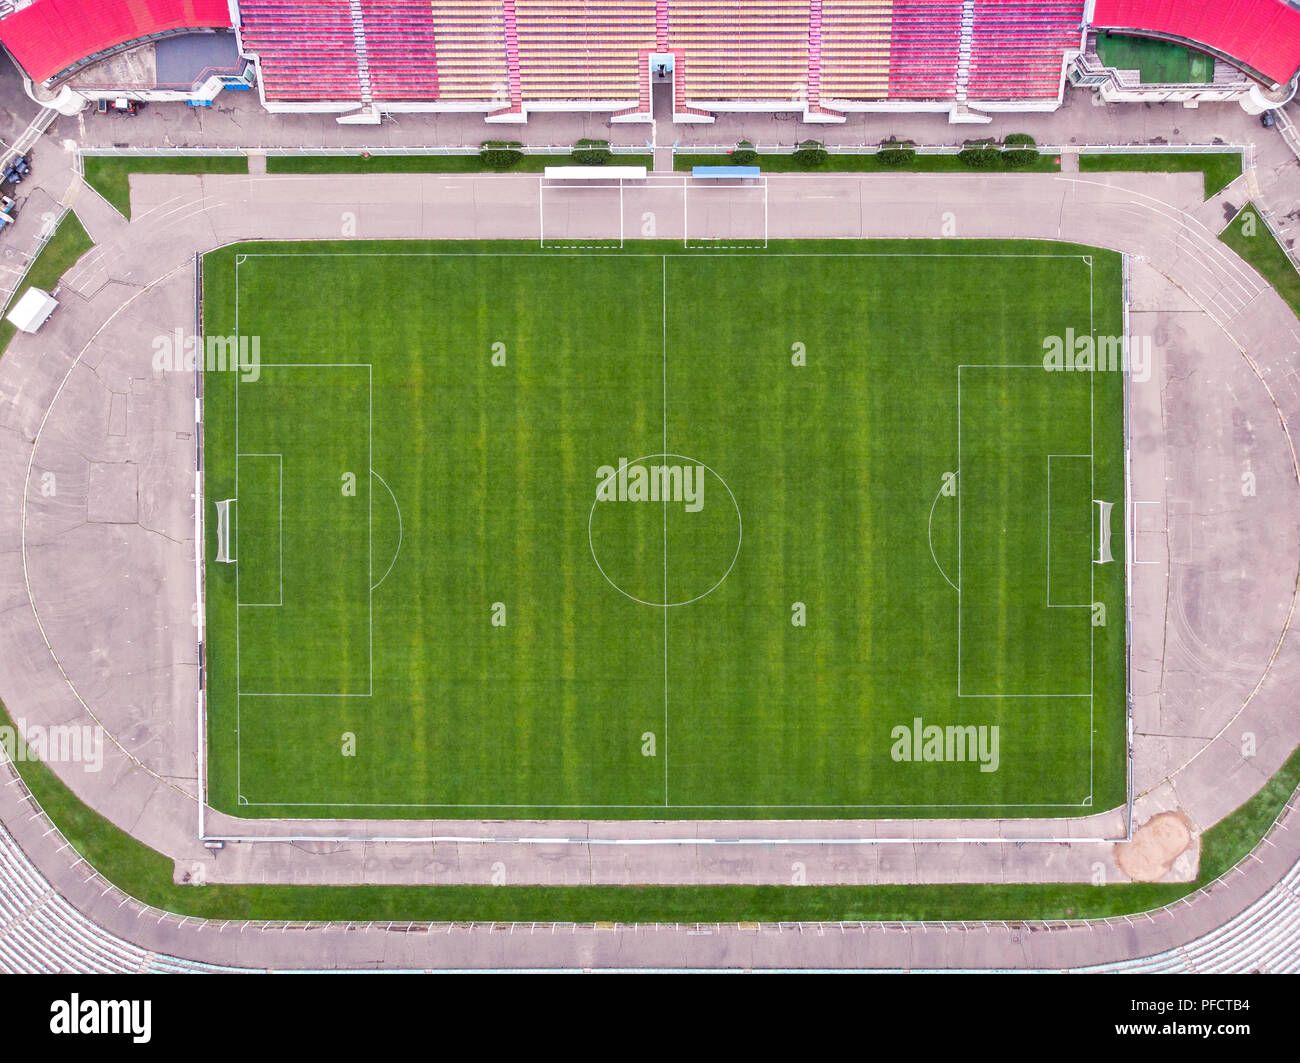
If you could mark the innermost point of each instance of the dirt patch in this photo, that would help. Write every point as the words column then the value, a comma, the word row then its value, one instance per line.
column 1155, row 845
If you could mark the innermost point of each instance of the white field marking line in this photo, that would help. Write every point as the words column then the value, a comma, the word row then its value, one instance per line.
column 699, row 245
column 722, row 808
column 1211, row 245
column 740, row 535
column 984, row 365
column 241, row 694
column 1050, row 603
column 929, row 531
column 664, row 330
column 450, row 839
column 27, row 579
column 608, row 251
column 663, row 255
column 1092, row 569
column 1138, row 531
column 265, row 605
column 609, row 243
column 399, row 528
column 239, row 754
column 151, row 210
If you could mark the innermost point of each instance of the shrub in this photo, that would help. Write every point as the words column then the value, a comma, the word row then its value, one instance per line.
column 1019, row 149
column 810, row 154
column 589, row 152
column 744, row 155
column 896, row 153
column 499, row 154
column 979, row 154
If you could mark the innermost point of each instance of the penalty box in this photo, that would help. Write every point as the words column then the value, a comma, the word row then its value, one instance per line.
column 303, row 490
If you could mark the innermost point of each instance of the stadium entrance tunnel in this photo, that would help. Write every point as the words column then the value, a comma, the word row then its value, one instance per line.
column 664, row 529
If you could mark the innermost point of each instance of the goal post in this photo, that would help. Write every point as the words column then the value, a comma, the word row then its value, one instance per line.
column 223, row 530
column 1104, row 555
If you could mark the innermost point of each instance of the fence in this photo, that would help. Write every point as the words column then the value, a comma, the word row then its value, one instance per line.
column 7, row 293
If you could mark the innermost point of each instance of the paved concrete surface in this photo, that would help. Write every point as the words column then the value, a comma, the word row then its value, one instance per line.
column 238, row 121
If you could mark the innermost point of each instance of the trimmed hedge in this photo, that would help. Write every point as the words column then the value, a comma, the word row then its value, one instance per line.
column 811, row 154
column 1019, row 150
column 744, row 155
column 588, row 152
column 980, row 154
column 500, row 154
column 896, row 153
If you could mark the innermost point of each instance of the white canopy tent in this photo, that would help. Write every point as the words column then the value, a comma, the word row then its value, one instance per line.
column 32, row 310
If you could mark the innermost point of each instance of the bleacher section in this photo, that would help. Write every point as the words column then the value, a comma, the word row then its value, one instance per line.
column 471, row 38
column 307, row 48
column 583, row 51
column 401, row 58
column 1264, row 938
column 925, row 46
column 506, row 55
column 855, row 46
column 1018, row 47
column 41, row 933
column 742, row 51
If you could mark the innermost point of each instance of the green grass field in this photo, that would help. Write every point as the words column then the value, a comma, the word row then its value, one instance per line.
column 432, row 614
column 110, row 175
column 69, row 242
column 1218, row 169
column 1157, row 62
column 785, row 162
column 1247, row 235
column 472, row 163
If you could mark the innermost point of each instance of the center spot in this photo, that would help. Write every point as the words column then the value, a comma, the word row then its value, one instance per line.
column 664, row 529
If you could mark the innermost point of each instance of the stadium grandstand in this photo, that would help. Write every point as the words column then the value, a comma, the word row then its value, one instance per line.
column 507, row 58
column 1261, row 37
column 150, row 49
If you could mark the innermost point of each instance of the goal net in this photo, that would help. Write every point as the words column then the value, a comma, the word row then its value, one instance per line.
column 223, row 530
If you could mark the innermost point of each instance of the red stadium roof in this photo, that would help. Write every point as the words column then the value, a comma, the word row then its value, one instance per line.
column 49, row 36
column 1263, row 35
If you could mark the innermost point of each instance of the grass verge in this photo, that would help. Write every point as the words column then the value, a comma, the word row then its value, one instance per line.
column 1247, row 235
column 1219, row 168
column 325, row 164
column 868, row 163
column 69, row 242
column 108, row 174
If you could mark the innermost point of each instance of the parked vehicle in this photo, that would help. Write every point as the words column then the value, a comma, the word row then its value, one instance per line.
column 121, row 105
column 1268, row 119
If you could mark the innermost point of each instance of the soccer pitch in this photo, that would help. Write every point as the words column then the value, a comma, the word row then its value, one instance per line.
column 654, row 533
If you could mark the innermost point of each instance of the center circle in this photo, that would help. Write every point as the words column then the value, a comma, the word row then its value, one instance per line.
column 664, row 529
